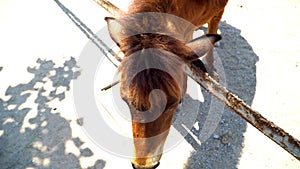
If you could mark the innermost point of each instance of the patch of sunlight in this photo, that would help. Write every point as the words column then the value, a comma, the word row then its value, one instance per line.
column 26, row 124
column 37, row 161
column 111, row 160
column 8, row 120
column 71, row 148
column 52, row 73
column 194, row 90
column 268, row 153
column 45, row 131
column 123, row 5
column 44, row 124
column 48, row 86
column 76, row 129
column 41, row 162
column 198, row 33
column 183, row 150
column 11, row 106
column 39, row 146
column 196, row 125
column 30, row 102
column 113, row 109
column 6, row 3
column 38, row 85
column 192, row 134
column 85, row 162
column 60, row 89
column 46, row 162
column 3, row 96
column 1, row 132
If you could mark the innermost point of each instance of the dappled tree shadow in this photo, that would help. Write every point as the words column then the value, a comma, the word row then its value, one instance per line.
column 224, row 146
column 43, row 144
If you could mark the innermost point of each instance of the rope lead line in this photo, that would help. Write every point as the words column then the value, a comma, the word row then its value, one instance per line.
column 88, row 32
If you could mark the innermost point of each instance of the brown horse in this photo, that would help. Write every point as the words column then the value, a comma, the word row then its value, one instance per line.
column 155, row 46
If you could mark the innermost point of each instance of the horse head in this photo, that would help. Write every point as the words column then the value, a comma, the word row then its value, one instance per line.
column 152, row 78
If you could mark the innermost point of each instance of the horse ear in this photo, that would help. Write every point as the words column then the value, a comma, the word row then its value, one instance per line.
column 115, row 29
column 202, row 45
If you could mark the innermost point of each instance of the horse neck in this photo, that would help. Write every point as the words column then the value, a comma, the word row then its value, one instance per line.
column 173, row 23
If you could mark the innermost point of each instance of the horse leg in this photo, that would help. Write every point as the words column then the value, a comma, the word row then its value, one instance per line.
column 213, row 25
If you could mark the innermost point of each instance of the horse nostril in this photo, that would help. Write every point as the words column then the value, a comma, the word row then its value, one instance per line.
column 153, row 167
column 133, row 166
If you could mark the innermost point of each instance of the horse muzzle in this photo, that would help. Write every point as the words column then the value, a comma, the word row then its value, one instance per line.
column 153, row 167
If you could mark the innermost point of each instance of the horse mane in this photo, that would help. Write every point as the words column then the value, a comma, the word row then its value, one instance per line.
column 152, row 61
column 151, row 6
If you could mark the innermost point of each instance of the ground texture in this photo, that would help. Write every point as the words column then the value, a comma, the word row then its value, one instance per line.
column 38, row 61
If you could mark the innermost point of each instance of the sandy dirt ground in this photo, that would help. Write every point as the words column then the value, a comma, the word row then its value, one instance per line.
column 39, row 54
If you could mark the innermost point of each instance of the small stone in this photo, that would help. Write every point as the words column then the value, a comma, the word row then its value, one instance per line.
column 226, row 138
column 216, row 136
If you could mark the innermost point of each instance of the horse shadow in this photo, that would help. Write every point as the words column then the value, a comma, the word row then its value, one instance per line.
column 217, row 133
column 42, row 144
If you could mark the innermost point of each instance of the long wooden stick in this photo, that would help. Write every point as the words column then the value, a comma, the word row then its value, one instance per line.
column 268, row 128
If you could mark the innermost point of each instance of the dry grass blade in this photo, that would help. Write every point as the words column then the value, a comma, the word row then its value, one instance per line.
column 109, row 7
